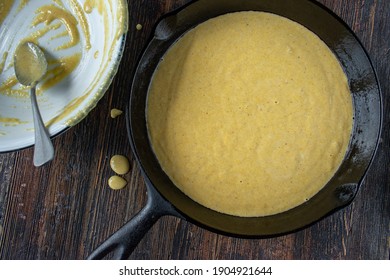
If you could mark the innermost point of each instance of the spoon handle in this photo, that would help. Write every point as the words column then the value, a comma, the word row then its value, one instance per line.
column 43, row 150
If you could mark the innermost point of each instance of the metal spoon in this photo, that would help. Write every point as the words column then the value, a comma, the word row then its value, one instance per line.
column 30, row 66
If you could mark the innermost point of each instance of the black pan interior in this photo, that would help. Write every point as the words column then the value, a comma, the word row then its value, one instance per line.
column 341, row 189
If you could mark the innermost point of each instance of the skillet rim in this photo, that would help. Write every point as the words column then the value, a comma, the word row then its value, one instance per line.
column 351, row 189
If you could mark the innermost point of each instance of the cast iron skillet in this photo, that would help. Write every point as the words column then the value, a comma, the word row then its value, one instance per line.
column 165, row 199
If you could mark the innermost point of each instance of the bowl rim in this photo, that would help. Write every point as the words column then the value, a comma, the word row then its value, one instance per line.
column 103, row 86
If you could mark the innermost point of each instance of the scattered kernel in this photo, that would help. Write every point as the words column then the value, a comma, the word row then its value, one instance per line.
column 138, row 26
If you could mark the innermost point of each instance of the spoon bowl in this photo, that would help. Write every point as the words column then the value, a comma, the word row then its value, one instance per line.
column 30, row 66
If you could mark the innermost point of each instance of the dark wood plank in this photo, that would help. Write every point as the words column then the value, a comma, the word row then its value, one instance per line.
column 65, row 209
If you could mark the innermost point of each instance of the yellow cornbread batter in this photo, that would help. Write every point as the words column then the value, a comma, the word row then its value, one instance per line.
column 5, row 7
column 249, row 114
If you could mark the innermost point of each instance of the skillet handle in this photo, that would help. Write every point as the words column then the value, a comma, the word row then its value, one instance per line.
column 125, row 240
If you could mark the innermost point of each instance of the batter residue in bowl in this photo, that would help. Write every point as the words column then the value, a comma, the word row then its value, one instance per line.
column 49, row 18
column 9, row 121
column 249, row 114
column 2, row 61
column 62, row 28
column 5, row 7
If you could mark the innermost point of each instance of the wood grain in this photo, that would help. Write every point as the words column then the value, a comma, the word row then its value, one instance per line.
column 64, row 210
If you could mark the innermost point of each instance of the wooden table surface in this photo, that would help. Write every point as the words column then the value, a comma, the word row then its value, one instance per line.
column 65, row 209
